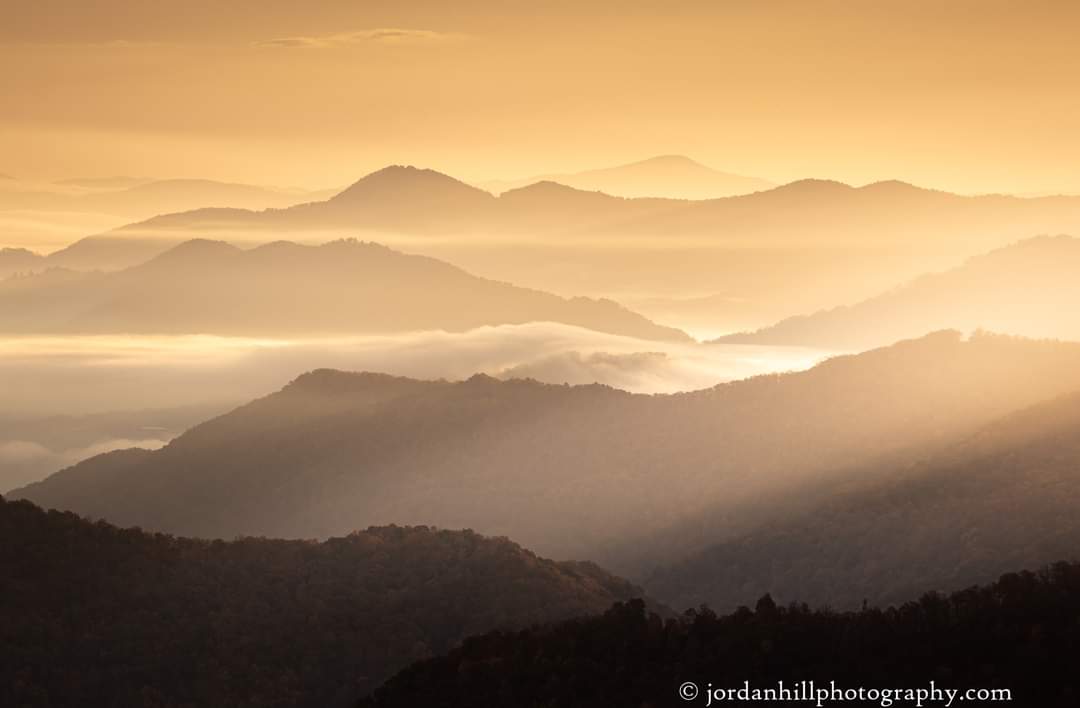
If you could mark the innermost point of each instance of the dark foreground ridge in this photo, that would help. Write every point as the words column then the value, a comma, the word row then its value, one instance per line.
column 94, row 615
column 1021, row 634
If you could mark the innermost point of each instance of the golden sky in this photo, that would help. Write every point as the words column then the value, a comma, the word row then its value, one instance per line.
column 969, row 95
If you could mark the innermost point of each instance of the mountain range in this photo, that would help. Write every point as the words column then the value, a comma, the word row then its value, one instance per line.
column 670, row 176
column 285, row 288
column 407, row 200
column 806, row 245
column 1025, row 289
column 573, row 472
column 102, row 616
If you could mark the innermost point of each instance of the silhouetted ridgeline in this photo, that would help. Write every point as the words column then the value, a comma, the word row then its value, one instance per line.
column 343, row 287
column 1021, row 633
column 93, row 615
column 571, row 472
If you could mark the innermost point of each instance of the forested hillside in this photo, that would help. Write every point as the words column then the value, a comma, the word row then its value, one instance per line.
column 115, row 618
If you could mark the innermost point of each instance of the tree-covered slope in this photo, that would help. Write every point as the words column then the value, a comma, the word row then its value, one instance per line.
column 94, row 615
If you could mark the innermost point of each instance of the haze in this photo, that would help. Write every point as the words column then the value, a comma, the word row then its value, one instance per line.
column 968, row 96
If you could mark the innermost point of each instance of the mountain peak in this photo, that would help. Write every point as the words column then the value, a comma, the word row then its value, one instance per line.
column 812, row 187
column 406, row 181
column 550, row 188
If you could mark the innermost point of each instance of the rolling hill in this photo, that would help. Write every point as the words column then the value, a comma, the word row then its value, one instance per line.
column 1025, row 289
column 286, row 289
column 568, row 471
column 102, row 616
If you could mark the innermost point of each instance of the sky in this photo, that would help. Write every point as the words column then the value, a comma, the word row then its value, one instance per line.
column 967, row 95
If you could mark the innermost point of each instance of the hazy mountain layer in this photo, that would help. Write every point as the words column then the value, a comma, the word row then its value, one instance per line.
column 1005, row 497
column 102, row 616
column 569, row 471
column 283, row 288
column 406, row 200
column 1027, row 289
column 802, row 246
column 670, row 176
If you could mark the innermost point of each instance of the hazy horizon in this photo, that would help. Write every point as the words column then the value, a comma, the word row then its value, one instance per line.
column 447, row 91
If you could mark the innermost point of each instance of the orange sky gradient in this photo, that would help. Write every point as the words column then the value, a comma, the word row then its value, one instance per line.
column 969, row 96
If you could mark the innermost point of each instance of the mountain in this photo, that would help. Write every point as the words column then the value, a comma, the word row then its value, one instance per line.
column 98, row 615
column 670, row 176
column 1024, row 289
column 1004, row 497
column 405, row 200
column 284, row 288
column 1012, row 640
column 805, row 245
column 802, row 246
column 571, row 471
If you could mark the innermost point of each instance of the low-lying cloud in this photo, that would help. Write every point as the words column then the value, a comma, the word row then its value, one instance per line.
column 72, row 375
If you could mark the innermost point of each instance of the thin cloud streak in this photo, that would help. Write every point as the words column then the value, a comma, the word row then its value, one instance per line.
column 382, row 35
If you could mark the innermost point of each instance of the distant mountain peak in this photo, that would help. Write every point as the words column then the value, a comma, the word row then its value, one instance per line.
column 549, row 188
column 813, row 186
column 405, row 181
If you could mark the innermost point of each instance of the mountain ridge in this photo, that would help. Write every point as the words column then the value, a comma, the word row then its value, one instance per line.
column 567, row 470
column 349, row 286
